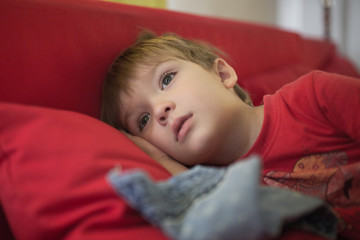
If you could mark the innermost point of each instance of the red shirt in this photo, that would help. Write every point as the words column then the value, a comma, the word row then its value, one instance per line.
column 310, row 142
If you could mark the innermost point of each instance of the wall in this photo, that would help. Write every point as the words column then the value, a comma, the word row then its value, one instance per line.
column 306, row 17
column 145, row 3
column 302, row 16
column 352, row 31
column 259, row 11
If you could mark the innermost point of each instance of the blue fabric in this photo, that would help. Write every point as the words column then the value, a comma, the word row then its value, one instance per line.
column 220, row 203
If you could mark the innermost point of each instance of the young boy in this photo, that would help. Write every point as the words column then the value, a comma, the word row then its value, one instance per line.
column 181, row 100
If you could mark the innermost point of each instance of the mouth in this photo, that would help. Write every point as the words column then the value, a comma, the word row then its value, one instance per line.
column 181, row 126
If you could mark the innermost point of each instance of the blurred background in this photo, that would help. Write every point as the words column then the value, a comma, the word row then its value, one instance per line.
column 335, row 20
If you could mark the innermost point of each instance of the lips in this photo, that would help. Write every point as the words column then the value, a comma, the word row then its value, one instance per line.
column 181, row 126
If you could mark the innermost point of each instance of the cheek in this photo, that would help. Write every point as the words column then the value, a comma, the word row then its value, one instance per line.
column 202, row 92
column 159, row 138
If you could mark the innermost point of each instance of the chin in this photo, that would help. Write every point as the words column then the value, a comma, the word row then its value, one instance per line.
column 201, row 150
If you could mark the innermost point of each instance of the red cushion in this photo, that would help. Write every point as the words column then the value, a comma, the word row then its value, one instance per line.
column 52, row 172
column 56, row 53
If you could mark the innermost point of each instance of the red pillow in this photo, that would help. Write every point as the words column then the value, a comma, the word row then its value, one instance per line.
column 52, row 172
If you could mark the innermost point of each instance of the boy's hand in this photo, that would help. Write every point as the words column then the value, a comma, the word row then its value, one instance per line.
column 165, row 160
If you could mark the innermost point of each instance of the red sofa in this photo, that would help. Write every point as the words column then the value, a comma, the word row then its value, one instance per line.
column 54, row 152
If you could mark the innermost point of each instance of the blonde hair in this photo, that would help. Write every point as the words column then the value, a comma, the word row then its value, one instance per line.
column 148, row 50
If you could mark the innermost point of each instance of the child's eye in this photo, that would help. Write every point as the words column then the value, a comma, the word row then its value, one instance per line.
column 143, row 120
column 166, row 78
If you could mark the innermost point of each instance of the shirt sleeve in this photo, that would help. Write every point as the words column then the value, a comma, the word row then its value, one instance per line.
column 338, row 97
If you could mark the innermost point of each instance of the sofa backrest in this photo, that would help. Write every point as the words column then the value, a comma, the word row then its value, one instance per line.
column 55, row 53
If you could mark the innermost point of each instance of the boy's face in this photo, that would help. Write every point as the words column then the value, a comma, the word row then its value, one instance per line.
column 183, row 109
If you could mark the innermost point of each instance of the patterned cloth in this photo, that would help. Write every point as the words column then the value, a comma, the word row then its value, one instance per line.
column 221, row 203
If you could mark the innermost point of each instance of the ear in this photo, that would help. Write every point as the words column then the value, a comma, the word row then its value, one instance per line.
column 226, row 73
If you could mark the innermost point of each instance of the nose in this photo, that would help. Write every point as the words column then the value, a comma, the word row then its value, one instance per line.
column 162, row 111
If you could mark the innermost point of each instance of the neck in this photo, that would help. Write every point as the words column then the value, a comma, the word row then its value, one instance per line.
column 256, row 126
column 244, row 136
